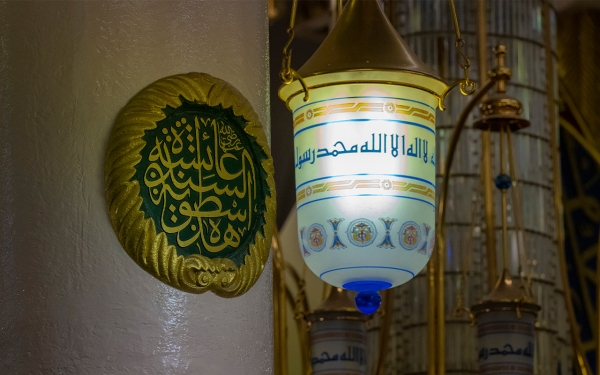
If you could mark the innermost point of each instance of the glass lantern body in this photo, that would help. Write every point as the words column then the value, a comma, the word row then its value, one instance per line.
column 365, row 176
column 506, row 342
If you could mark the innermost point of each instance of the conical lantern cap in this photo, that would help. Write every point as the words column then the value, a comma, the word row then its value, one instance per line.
column 337, row 306
column 363, row 39
column 506, row 295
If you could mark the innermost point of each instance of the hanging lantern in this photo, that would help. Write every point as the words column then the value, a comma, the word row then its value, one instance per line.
column 505, row 329
column 506, row 316
column 338, row 336
column 364, row 141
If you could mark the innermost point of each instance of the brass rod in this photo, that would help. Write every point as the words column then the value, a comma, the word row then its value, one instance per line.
column 518, row 215
column 431, row 321
column 455, row 19
column 327, row 288
column 464, row 279
column 598, row 307
column 432, row 328
column 504, row 208
column 293, row 14
column 440, row 309
column 581, row 361
column 452, row 146
column 490, row 218
column 440, row 249
column 385, row 323
column 280, row 365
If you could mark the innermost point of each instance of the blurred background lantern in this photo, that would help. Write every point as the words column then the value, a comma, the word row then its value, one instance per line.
column 338, row 336
column 506, row 316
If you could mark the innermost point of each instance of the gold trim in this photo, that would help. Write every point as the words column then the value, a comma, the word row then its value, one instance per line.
column 137, row 234
column 490, row 225
column 298, row 120
column 350, row 82
column 385, row 321
column 280, row 347
column 438, row 273
column 584, row 367
column 352, row 107
column 385, row 184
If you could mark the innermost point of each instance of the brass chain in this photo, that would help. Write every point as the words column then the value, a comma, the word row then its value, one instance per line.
column 287, row 74
column 467, row 86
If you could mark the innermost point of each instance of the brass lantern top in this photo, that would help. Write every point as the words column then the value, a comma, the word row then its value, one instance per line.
column 362, row 48
column 506, row 296
column 363, row 39
column 501, row 111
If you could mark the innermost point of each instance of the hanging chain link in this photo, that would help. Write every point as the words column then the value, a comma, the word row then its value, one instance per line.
column 467, row 87
column 287, row 74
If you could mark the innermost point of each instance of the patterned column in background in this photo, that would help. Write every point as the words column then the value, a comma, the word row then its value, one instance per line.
column 426, row 25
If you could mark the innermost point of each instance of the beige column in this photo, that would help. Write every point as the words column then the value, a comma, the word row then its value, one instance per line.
column 71, row 300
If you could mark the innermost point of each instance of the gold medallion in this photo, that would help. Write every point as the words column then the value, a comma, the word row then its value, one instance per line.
column 189, row 185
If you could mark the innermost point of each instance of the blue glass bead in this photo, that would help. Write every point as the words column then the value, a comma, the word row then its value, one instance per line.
column 368, row 299
column 503, row 181
column 368, row 302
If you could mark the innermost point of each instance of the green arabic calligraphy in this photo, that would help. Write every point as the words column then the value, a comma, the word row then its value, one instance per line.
column 201, row 181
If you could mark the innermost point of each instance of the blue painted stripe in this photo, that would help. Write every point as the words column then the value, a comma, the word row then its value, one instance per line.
column 335, row 370
column 367, row 175
column 346, row 339
column 504, row 333
column 366, row 195
column 366, row 120
column 365, row 97
column 505, row 322
column 351, row 268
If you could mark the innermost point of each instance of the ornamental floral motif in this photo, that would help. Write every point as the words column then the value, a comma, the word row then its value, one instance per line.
column 410, row 235
column 317, row 237
column 361, row 232
column 337, row 242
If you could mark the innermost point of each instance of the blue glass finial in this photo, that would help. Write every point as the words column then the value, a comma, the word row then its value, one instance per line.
column 368, row 302
column 368, row 299
column 503, row 181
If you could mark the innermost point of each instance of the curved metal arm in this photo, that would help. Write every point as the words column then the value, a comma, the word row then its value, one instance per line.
column 460, row 125
column 279, row 308
column 438, row 277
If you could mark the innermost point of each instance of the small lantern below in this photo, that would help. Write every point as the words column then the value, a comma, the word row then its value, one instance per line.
column 506, row 329
column 364, row 142
column 338, row 336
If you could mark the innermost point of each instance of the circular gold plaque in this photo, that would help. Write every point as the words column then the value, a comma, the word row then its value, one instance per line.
column 189, row 185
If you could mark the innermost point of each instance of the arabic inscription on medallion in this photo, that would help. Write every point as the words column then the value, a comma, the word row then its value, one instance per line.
column 201, row 181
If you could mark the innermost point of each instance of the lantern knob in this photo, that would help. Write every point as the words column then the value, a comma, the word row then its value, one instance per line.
column 368, row 299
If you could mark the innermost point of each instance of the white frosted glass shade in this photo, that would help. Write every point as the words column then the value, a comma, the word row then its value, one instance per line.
column 365, row 181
